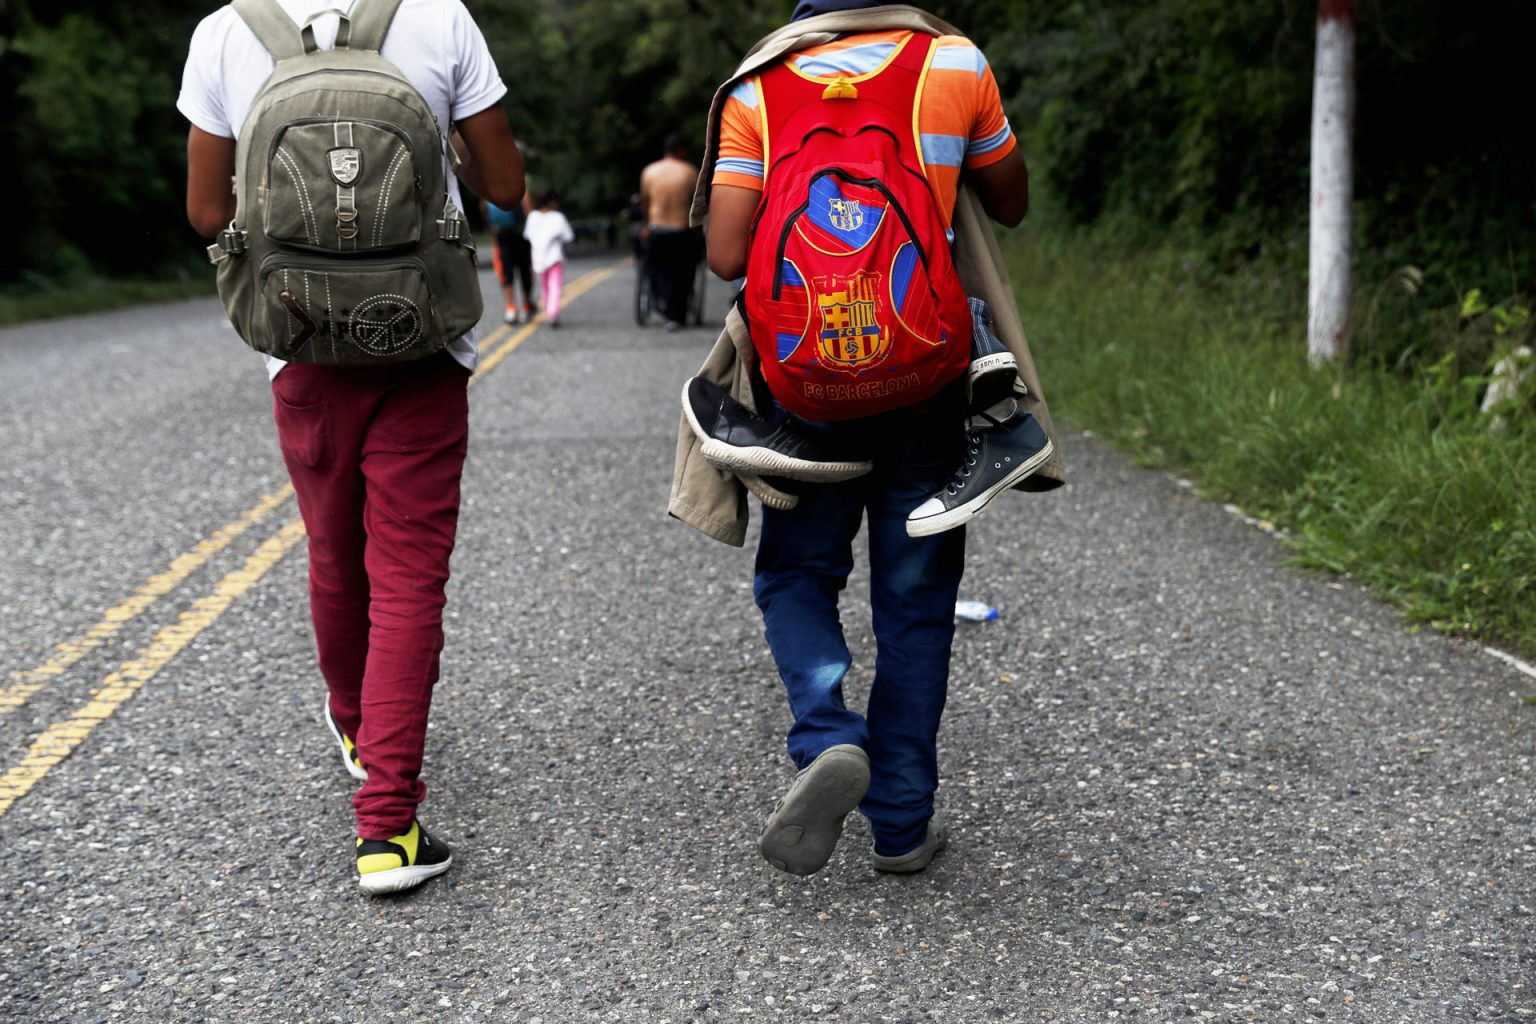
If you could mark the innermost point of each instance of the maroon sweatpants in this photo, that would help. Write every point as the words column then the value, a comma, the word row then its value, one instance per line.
column 375, row 455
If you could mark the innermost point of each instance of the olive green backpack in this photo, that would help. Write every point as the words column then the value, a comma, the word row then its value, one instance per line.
column 345, row 247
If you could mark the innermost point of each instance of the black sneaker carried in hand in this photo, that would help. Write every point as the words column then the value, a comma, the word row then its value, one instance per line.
column 400, row 863
column 739, row 441
column 1004, row 445
column 994, row 372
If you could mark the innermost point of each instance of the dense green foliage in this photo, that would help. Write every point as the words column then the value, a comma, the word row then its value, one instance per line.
column 1187, row 122
column 91, row 135
column 1182, row 122
column 1400, row 482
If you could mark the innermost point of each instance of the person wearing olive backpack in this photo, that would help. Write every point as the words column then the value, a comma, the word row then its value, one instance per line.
column 344, row 258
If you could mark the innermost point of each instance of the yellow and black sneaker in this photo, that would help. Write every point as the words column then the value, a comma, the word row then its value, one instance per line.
column 349, row 758
column 393, row 865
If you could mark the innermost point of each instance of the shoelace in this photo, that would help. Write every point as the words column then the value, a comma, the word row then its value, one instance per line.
column 973, row 448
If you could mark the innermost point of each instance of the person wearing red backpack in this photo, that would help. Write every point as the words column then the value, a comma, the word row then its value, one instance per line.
column 834, row 190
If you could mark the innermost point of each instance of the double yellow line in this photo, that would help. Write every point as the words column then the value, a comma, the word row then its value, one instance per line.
column 61, row 738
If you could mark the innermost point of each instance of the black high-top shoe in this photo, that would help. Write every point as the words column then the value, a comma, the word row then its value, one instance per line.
column 739, row 441
column 1004, row 445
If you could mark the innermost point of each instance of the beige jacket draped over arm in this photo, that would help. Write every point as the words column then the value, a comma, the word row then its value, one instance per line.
column 714, row 501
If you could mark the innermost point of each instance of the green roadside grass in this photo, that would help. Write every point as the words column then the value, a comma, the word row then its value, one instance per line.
column 45, row 300
column 1395, row 480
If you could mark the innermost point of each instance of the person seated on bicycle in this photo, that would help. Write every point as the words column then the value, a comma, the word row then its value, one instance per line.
column 666, row 193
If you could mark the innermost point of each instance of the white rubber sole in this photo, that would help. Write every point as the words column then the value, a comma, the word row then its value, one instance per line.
column 768, row 494
column 993, row 363
column 767, row 462
column 999, row 371
column 358, row 773
column 758, row 461
column 927, row 526
column 379, row 883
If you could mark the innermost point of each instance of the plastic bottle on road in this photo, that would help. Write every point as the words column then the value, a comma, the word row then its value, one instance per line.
column 975, row 611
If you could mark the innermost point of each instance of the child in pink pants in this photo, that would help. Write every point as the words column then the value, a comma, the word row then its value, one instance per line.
column 547, row 232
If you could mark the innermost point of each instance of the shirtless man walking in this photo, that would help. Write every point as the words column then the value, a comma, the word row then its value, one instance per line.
column 666, row 193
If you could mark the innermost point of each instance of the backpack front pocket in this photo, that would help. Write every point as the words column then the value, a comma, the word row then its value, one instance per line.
column 342, row 186
column 365, row 313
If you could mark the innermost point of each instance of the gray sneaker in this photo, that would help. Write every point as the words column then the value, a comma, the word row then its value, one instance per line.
column 909, row 863
column 803, row 829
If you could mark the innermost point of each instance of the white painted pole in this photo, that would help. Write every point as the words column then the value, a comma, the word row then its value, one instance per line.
column 1330, row 273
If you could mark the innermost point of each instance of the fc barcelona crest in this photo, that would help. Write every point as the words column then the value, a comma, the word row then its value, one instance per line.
column 346, row 165
column 852, row 337
column 845, row 214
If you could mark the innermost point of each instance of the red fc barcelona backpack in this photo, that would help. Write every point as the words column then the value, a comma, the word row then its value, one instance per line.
column 852, row 300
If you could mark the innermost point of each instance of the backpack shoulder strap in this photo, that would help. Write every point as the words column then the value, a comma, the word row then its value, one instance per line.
column 274, row 29
column 370, row 23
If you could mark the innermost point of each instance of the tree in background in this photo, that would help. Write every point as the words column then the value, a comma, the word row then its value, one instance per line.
column 1182, row 122
column 595, row 86
column 92, row 136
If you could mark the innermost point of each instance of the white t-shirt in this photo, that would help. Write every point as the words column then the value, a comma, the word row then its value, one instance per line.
column 434, row 43
column 547, row 232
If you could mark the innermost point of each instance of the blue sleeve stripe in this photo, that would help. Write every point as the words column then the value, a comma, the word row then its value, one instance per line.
column 856, row 60
column 746, row 92
column 959, row 58
column 739, row 165
column 991, row 142
column 943, row 150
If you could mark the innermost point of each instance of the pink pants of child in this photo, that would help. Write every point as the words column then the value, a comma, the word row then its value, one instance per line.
column 551, row 280
column 375, row 455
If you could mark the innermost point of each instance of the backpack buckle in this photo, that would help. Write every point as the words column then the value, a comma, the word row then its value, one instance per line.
column 231, row 243
column 840, row 89
column 452, row 227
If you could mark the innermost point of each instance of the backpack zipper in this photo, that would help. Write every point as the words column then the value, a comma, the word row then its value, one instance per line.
column 799, row 211
column 268, row 266
column 395, row 130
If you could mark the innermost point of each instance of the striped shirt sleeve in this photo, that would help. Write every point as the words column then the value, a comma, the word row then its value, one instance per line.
column 962, row 122
column 991, row 136
column 740, row 161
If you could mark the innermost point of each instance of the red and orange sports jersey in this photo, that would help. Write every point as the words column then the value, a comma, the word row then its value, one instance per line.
column 960, row 119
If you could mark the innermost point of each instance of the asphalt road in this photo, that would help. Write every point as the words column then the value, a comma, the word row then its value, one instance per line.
column 1186, row 781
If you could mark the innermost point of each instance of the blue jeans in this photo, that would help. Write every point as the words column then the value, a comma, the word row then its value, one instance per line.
column 803, row 561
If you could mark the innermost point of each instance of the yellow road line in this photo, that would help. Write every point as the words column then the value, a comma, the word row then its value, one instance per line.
column 60, row 739
column 579, row 287
column 25, row 684
column 491, row 357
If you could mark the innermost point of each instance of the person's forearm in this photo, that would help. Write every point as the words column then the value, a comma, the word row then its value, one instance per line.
column 210, row 169
column 469, row 168
column 506, row 192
